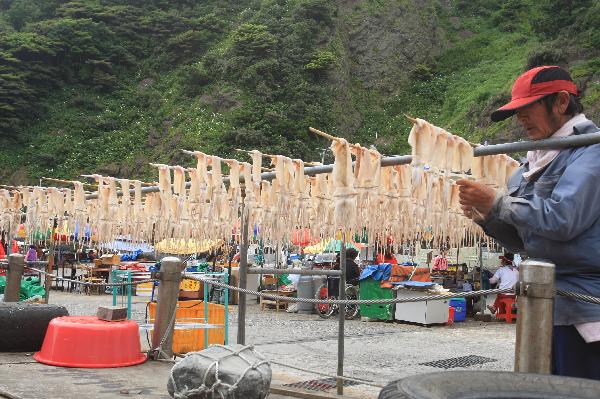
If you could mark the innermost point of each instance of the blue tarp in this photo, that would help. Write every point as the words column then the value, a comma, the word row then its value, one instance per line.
column 131, row 257
column 377, row 272
column 128, row 246
column 414, row 283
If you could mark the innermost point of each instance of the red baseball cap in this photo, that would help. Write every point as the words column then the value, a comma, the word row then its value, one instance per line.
column 533, row 85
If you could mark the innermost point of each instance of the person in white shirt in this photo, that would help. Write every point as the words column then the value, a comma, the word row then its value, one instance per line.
column 506, row 276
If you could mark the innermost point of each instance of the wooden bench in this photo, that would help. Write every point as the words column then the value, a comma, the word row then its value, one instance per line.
column 270, row 282
column 276, row 302
column 98, row 289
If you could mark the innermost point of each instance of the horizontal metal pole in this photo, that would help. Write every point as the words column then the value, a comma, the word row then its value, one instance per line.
column 493, row 149
column 579, row 140
column 302, row 272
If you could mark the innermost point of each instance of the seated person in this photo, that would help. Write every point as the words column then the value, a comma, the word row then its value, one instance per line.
column 31, row 254
column 352, row 269
column 352, row 272
column 506, row 277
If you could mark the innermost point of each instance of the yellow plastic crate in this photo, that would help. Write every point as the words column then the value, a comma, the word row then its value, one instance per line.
column 190, row 340
column 144, row 289
column 190, row 285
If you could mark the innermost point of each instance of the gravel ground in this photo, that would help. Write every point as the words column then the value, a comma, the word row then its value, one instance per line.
column 377, row 351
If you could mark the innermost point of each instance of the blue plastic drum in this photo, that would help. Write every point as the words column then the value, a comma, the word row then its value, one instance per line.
column 460, row 308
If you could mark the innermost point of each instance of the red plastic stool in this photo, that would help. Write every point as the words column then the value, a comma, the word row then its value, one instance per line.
column 504, row 307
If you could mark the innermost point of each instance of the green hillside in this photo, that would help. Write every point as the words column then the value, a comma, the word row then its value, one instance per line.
column 109, row 85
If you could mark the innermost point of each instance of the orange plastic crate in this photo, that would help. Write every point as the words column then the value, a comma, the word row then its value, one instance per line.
column 190, row 340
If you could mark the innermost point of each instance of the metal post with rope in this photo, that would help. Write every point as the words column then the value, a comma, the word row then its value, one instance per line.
column 16, row 265
column 535, row 292
column 166, row 307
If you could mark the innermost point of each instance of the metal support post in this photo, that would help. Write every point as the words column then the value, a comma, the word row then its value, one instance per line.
column 535, row 290
column 49, row 270
column 113, row 279
column 168, row 293
column 16, row 264
column 205, row 307
column 342, row 317
column 226, row 303
column 243, row 276
column 129, row 286
column 482, row 299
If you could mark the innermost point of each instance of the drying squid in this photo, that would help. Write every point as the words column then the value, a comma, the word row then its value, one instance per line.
column 344, row 194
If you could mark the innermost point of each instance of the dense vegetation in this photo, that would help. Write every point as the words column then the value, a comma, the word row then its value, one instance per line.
column 110, row 85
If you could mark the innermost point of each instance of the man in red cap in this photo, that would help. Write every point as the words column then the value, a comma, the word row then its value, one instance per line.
column 552, row 210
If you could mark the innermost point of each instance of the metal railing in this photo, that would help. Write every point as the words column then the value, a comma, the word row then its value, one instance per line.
column 535, row 291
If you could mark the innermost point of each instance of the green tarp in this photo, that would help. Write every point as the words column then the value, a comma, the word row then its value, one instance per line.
column 30, row 287
column 284, row 280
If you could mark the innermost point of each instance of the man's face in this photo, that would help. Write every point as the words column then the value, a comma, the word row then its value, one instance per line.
column 539, row 123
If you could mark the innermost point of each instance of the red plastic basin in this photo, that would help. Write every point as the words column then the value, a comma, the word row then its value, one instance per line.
column 86, row 341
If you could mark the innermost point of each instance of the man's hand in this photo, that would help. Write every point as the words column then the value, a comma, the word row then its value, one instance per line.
column 476, row 199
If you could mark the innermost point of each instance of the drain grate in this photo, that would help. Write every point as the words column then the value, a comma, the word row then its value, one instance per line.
column 462, row 361
column 324, row 384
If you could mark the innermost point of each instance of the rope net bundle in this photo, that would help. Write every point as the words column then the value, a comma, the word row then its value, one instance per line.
column 218, row 388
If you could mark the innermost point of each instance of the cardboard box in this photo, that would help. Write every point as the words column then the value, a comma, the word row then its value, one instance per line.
column 233, row 280
column 110, row 259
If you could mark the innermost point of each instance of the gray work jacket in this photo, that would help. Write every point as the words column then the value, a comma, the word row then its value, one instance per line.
column 556, row 216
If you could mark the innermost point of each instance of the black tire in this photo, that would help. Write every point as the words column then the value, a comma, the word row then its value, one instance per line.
column 490, row 385
column 352, row 311
column 324, row 311
column 24, row 325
